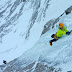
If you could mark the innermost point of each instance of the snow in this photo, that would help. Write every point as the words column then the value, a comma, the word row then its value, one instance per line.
column 14, row 43
column 57, row 7
column 59, row 54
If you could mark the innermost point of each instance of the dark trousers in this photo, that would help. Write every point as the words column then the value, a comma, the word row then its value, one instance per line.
column 53, row 40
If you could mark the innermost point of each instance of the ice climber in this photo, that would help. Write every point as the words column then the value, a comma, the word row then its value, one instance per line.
column 61, row 30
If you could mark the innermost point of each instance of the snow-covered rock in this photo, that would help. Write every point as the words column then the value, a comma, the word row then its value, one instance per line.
column 25, row 30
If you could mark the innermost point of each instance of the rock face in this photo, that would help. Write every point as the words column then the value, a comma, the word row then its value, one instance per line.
column 68, row 10
column 10, row 20
column 50, row 24
column 37, row 13
column 33, row 67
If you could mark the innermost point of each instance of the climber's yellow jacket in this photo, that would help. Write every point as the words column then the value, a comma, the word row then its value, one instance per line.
column 61, row 32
